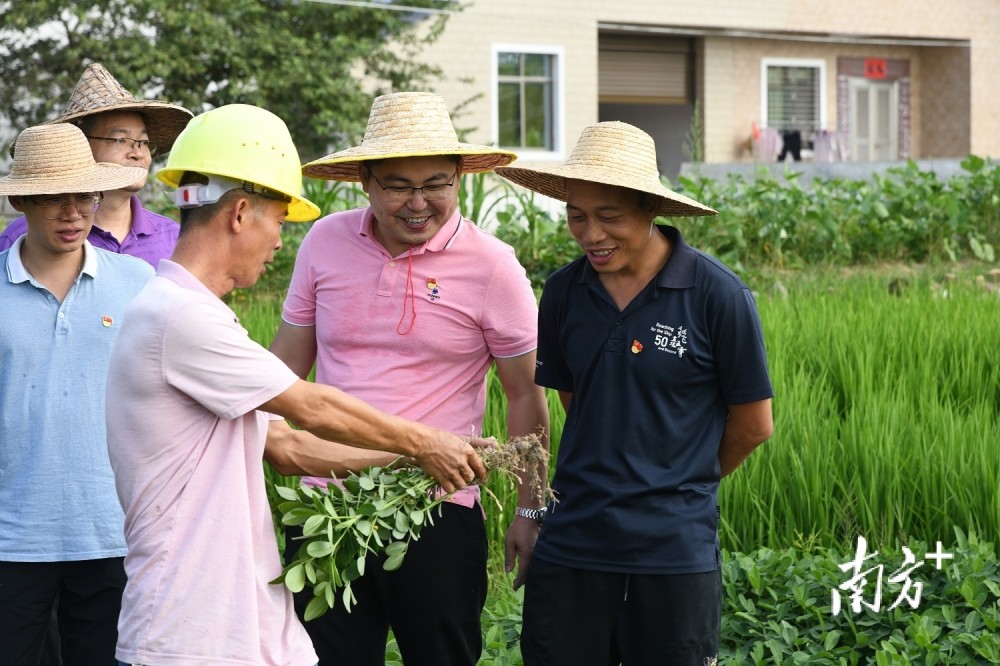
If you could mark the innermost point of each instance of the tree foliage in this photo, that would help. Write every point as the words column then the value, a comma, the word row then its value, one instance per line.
column 315, row 64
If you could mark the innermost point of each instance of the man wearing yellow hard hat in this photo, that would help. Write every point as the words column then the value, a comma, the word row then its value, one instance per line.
column 192, row 393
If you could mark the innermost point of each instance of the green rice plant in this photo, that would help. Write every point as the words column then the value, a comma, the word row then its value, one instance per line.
column 886, row 419
column 887, row 415
column 500, row 513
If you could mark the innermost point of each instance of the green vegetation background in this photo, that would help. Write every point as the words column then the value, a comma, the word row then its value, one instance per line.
column 880, row 302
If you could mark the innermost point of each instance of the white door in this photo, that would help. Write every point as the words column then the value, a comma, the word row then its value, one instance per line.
column 874, row 120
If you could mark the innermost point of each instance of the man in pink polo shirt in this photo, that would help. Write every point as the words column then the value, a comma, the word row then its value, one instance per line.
column 186, row 428
column 406, row 305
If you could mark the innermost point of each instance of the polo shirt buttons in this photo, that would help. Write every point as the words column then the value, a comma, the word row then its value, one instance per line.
column 392, row 264
column 619, row 322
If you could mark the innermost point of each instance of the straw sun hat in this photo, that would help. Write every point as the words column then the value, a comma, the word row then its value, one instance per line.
column 56, row 159
column 407, row 124
column 611, row 153
column 97, row 92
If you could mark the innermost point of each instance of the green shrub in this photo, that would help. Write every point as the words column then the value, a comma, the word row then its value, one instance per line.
column 543, row 244
column 777, row 609
column 905, row 214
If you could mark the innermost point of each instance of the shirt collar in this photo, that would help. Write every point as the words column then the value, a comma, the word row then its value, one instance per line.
column 446, row 234
column 15, row 267
column 89, row 259
column 677, row 273
column 680, row 271
column 143, row 223
column 183, row 278
column 442, row 240
column 16, row 272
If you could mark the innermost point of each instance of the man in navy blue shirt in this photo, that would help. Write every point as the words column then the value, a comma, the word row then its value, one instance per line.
column 657, row 352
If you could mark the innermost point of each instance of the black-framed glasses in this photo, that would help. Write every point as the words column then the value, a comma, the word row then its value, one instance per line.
column 429, row 192
column 53, row 208
column 126, row 143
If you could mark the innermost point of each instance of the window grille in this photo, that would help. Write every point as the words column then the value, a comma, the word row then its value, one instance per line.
column 793, row 99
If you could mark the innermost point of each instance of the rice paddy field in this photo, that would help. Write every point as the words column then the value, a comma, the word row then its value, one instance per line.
column 887, row 414
column 887, row 426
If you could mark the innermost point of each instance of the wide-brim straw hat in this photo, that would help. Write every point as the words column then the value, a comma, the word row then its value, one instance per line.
column 99, row 92
column 407, row 124
column 611, row 153
column 56, row 159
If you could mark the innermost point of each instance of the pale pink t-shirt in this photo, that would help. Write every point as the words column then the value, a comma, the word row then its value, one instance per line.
column 413, row 335
column 186, row 445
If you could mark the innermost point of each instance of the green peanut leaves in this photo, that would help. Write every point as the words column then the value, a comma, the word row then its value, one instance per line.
column 377, row 511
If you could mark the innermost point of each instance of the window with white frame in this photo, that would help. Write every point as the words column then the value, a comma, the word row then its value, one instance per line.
column 527, row 99
column 792, row 96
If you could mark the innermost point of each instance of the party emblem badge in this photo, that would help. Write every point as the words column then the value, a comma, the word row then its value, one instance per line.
column 433, row 291
column 636, row 346
column 106, row 321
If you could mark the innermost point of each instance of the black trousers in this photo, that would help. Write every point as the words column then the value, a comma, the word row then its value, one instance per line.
column 574, row 617
column 89, row 594
column 432, row 603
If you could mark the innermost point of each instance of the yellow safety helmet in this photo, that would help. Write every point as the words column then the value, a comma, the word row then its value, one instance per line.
column 245, row 144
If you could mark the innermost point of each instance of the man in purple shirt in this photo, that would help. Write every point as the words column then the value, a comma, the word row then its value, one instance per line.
column 127, row 131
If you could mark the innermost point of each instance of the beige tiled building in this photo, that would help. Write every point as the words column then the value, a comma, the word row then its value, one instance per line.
column 846, row 80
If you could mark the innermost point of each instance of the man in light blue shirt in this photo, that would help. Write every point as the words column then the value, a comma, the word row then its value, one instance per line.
column 61, row 306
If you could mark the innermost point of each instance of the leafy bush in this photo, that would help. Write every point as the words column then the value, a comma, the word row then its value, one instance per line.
column 763, row 223
column 905, row 214
column 778, row 609
column 543, row 244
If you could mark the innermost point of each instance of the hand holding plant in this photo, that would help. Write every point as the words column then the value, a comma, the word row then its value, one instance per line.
column 379, row 510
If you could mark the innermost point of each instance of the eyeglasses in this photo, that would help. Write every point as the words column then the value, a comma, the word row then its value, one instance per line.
column 53, row 208
column 429, row 192
column 125, row 143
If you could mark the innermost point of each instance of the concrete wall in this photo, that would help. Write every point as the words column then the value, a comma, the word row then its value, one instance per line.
column 731, row 65
column 733, row 86
column 946, row 130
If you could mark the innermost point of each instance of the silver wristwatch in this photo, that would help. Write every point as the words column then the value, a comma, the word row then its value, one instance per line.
column 537, row 515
